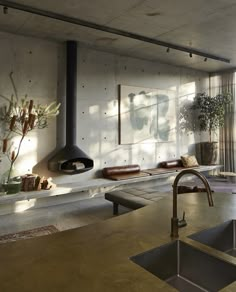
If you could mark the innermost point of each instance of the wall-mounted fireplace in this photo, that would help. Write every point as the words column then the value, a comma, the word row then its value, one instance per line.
column 71, row 159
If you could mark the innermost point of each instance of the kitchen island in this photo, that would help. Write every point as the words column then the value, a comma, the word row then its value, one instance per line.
column 97, row 257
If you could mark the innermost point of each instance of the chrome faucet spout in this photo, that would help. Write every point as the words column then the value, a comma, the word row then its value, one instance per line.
column 174, row 219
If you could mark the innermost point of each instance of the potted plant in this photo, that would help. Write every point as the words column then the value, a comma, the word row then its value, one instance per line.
column 205, row 113
column 19, row 117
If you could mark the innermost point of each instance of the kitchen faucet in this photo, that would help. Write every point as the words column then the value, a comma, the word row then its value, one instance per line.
column 175, row 222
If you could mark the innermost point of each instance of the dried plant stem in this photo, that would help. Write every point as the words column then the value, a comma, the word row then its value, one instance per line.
column 13, row 160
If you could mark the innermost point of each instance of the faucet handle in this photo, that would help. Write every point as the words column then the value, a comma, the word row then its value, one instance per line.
column 182, row 222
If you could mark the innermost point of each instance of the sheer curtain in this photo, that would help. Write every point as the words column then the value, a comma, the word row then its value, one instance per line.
column 219, row 83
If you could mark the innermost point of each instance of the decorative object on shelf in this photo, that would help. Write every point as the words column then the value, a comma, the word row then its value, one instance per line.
column 21, row 116
column 28, row 182
column 33, row 182
column 13, row 186
column 189, row 161
column 205, row 113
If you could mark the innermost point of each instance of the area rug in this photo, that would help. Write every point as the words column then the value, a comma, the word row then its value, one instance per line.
column 40, row 231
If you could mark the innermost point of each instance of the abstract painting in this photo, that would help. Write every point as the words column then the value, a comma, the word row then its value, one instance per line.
column 146, row 115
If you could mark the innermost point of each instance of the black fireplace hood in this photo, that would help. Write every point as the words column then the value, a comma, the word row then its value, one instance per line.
column 71, row 159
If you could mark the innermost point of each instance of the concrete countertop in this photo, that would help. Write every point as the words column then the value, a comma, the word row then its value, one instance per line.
column 96, row 257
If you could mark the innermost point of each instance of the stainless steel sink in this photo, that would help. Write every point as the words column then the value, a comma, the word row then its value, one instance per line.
column 221, row 237
column 187, row 268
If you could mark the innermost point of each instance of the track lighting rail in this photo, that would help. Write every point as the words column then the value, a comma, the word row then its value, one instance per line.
column 191, row 51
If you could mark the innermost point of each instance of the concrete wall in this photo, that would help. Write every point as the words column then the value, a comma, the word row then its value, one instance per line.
column 38, row 68
column 34, row 64
column 99, row 75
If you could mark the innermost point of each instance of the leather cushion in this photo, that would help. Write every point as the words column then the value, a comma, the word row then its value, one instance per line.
column 133, row 198
column 171, row 163
column 123, row 172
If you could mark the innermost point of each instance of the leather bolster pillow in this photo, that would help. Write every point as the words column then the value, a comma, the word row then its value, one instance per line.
column 171, row 163
column 116, row 170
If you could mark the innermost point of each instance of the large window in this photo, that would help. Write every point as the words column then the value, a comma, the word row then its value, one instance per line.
column 219, row 83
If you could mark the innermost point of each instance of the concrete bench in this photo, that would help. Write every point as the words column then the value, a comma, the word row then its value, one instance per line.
column 132, row 198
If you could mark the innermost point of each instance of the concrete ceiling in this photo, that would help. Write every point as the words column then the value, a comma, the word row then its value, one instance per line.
column 208, row 26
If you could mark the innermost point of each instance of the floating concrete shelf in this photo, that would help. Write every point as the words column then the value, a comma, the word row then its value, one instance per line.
column 70, row 192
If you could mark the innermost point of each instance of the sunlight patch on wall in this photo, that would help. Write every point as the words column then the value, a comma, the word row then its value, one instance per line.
column 94, row 109
column 148, row 148
column 187, row 90
column 94, row 147
column 28, row 154
column 113, row 108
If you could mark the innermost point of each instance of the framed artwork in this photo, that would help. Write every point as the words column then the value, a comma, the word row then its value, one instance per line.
column 146, row 115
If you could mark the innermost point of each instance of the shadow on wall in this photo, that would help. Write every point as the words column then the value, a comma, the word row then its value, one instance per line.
column 192, row 149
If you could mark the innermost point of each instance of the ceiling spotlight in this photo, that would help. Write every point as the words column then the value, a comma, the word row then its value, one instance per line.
column 190, row 55
column 5, row 10
column 167, row 50
column 205, row 59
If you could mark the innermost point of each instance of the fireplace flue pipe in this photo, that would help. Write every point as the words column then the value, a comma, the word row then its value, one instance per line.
column 71, row 159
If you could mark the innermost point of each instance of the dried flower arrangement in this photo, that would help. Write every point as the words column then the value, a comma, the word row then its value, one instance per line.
column 21, row 116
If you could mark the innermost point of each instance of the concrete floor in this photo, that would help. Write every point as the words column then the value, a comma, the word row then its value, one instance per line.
column 64, row 216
